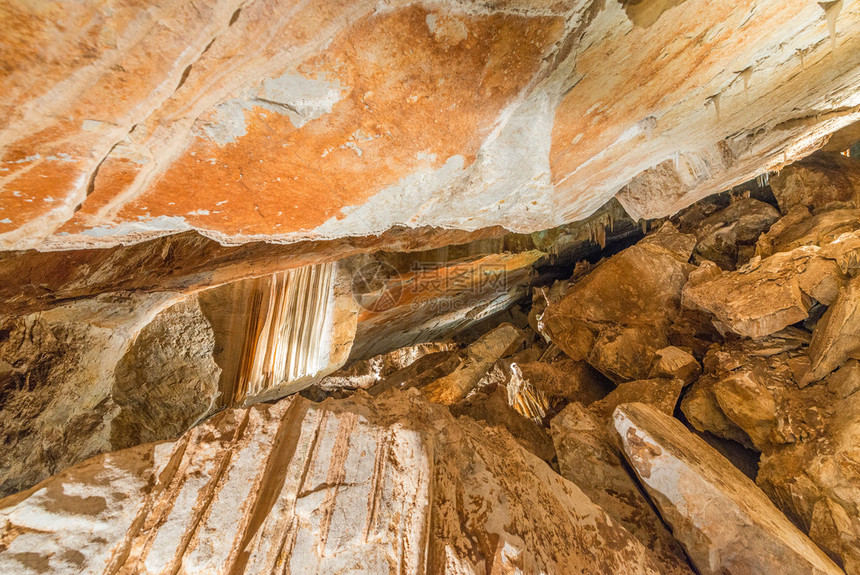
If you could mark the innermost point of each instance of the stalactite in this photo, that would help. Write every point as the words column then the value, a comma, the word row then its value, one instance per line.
column 831, row 13
column 746, row 75
column 526, row 399
column 287, row 334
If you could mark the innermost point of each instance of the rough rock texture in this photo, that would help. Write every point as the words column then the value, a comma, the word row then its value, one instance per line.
column 675, row 363
column 59, row 370
column 618, row 315
column 588, row 456
column 327, row 120
column 767, row 295
column 168, row 379
column 818, row 181
column 727, row 236
column 751, row 393
column 725, row 523
column 391, row 485
column 837, row 334
column 431, row 300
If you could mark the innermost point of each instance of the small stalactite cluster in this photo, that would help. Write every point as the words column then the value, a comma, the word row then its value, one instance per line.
column 525, row 398
column 597, row 228
column 287, row 332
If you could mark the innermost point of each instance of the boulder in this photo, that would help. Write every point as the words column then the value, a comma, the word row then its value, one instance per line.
column 618, row 315
column 660, row 393
column 837, row 335
column 344, row 486
column 767, row 295
column 725, row 523
column 589, row 457
column 675, row 363
column 818, row 181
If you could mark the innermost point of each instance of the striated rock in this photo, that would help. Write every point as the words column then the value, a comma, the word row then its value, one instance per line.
column 479, row 358
column 675, row 363
column 722, row 236
column 725, row 523
column 818, row 181
column 765, row 296
column 618, row 315
column 588, row 456
column 837, row 336
column 343, row 486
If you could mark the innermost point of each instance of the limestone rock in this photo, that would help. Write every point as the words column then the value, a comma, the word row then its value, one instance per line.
column 566, row 380
column 479, row 358
column 492, row 407
column 721, row 235
column 818, row 181
column 660, row 393
column 675, row 363
column 725, row 523
column 588, row 456
column 767, row 295
column 837, row 336
column 339, row 487
column 101, row 138
column 798, row 228
column 618, row 315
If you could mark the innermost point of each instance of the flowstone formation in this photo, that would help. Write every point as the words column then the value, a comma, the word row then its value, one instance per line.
column 430, row 287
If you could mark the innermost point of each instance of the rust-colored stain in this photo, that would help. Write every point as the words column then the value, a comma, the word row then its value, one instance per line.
column 408, row 94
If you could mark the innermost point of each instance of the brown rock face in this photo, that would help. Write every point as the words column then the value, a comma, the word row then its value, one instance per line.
column 725, row 523
column 331, row 120
column 818, row 181
column 337, row 487
column 618, row 315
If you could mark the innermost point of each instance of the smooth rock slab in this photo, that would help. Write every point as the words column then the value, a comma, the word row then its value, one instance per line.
column 725, row 523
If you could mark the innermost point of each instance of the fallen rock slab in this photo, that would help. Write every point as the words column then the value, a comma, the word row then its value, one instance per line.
column 837, row 335
column 725, row 523
column 394, row 484
column 588, row 456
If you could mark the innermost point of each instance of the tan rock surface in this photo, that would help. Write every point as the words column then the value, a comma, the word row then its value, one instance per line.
column 589, row 457
column 477, row 361
column 316, row 121
column 618, row 315
column 338, row 487
column 676, row 363
column 837, row 336
column 725, row 523
column 818, row 181
column 767, row 295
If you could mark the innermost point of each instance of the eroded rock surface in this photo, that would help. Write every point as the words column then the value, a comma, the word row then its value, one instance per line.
column 334, row 487
column 618, row 315
column 325, row 120
column 725, row 523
